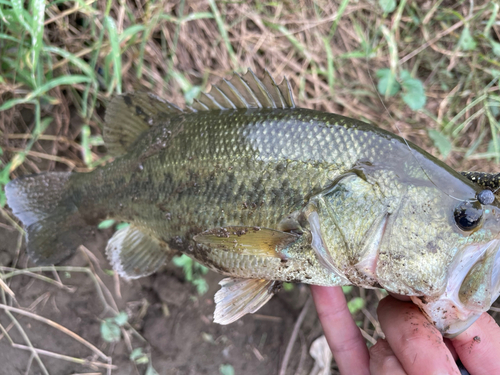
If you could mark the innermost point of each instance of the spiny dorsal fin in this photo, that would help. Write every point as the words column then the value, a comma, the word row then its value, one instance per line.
column 247, row 91
column 238, row 297
column 129, row 115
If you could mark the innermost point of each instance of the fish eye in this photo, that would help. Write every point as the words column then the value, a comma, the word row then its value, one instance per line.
column 468, row 215
column 486, row 196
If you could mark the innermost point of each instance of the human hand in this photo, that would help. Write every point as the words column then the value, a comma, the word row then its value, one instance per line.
column 412, row 345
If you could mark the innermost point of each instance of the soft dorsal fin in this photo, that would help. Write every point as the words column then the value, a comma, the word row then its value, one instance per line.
column 247, row 91
column 129, row 115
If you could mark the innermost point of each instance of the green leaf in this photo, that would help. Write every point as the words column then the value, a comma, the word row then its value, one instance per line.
column 347, row 289
column 106, row 224
column 136, row 353
column 386, row 82
column 110, row 332
column 122, row 225
column 387, row 6
column 201, row 285
column 495, row 47
column 414, row 93
column 226, row 370
column 186, row 263
column 151, row 370
column 441, row 142
column 355, row 304
column 121, row 318
column 466, row 41
column 288, row 286
column 138, row 356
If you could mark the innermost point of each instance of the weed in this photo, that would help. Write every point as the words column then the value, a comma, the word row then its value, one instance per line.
column 110, row 327
column 193, row 271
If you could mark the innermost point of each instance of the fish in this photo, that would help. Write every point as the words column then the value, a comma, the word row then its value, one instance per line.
column 264, row 192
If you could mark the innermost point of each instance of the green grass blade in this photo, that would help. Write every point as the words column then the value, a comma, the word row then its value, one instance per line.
column 79, row 63
column 393, row 56
column 38, row 11
column 17, row 6
column 495, row 128
column 59, row 81
column 492, row 19
column 196, row 16
column 335, row 23
column 223, row 32
column 329, row 61
column 115, row 55
column 131, row 31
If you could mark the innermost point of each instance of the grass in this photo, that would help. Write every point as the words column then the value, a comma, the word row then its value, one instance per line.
column 430, row 71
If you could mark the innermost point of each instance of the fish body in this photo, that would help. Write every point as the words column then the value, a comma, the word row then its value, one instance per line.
column 265, row 192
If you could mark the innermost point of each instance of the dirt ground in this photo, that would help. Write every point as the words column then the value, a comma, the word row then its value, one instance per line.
column 181, row 341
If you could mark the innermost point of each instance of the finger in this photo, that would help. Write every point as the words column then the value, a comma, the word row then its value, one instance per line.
column 383, row 360
column 451, row 348
column 415, row 341
column 343, row 336
column 479, row 346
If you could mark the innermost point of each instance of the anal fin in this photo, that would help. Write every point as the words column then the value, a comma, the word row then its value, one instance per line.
column 134, row 254
column 238, row 297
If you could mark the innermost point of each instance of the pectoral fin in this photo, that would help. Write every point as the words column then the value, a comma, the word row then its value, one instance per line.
column 247, row 240
column 238, row 297
column 134, row 254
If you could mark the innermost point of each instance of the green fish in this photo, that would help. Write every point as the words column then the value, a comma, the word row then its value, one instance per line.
column 265, row 192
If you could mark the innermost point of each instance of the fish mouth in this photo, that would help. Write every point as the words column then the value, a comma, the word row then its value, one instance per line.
column 473, row 285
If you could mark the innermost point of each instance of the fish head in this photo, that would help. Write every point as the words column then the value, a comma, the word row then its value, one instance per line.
column 439, row 245
column 473, row 276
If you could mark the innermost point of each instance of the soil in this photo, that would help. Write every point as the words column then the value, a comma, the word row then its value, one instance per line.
column 166, row 310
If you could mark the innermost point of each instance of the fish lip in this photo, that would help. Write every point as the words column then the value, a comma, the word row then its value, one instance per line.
column 449, row 314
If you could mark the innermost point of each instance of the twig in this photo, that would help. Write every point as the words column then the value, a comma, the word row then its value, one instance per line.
column 80, row 361
column 57, row 326
column 434, row 40
column 41, row 155
column 270, row 318
column 367, row 336
column 27, row 340
column 294, row 335
column 6, row 288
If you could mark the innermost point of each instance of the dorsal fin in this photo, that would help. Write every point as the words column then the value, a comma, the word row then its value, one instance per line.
column 247, row 91
column 129, row 115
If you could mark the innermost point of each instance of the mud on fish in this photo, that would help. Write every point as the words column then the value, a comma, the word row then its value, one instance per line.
column 262, row 191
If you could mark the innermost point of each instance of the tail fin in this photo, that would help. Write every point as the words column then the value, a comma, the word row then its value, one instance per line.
column 53, row 224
